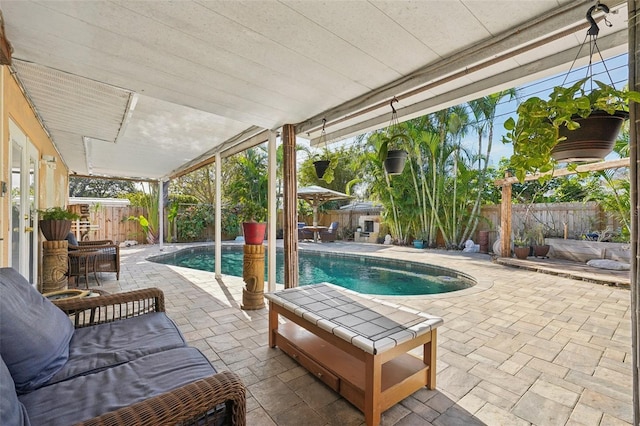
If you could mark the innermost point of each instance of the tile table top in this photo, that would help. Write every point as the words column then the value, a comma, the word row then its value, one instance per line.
column 368, row 323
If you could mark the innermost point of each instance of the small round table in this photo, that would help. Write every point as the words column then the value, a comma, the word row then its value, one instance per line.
column 86, row 262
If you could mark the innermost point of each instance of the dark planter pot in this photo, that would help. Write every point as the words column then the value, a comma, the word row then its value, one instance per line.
column 254, row 232
column 55, row 230
column 521, row 252
column 394, row 163
column 541, row 251
column 419, row 244
column 321, row 167
column 593, row 141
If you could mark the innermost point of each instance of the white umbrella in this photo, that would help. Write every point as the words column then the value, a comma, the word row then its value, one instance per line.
column 317, row 195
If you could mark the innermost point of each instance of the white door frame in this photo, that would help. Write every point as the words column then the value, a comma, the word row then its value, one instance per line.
column 26, row 226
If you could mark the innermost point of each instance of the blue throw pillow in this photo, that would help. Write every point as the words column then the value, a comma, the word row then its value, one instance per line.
column 12, row 412
column 34, row 333
column 71, row 239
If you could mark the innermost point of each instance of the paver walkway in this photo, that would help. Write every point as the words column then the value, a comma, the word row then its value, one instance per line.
column 520, row 348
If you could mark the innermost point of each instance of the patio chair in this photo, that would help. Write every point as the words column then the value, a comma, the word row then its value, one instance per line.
column 107, row 259
column 330, row 234
column 304, row 234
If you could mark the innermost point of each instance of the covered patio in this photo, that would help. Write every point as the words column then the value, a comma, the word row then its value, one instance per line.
column 127, row 90
column 524, row 349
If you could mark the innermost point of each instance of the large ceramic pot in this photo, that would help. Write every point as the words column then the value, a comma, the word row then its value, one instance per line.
column 394, row 163
column 254, row 232
column 321, row 167
column 541, row 250
column 55, row 229
column 521, row 252
column 593, row 141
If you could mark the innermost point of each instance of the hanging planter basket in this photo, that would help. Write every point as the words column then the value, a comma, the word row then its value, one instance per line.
column 593, row 141
column 321, row 167
column 394, row 163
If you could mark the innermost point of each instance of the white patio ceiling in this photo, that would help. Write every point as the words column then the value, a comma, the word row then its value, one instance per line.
column 144, row 89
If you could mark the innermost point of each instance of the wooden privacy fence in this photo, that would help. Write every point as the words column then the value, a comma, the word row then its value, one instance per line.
column 570, row 220
column 576, row 219
column 107, row 223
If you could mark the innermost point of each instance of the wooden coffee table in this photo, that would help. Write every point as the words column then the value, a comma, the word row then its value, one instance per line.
column 355, row 344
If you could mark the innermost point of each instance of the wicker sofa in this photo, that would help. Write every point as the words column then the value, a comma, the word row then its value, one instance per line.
column 114, row 359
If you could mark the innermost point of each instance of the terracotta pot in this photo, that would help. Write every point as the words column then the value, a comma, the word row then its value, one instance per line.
column 593, row 141
column 254, row 232
column 541, row 251
column 521, row 252
column 321, row 167
column 394, row 163
column 55, row 230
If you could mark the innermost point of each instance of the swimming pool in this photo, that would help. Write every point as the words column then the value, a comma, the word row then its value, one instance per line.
column 363, row 274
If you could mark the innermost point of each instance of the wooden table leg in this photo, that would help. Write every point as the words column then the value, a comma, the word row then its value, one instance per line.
column 372, row 390
column 273, row 325
column 429, row 357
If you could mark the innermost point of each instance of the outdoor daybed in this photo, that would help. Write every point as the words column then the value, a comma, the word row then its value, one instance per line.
column 119, row 360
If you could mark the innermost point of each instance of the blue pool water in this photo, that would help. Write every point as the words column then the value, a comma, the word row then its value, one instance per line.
column 363, row 274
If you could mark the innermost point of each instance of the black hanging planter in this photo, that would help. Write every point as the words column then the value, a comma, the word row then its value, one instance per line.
column 394, row 163
column 593, row 141
column 321, row 167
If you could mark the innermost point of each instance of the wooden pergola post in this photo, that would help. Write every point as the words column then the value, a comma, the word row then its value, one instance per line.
column 290, row 207
column 505, row 218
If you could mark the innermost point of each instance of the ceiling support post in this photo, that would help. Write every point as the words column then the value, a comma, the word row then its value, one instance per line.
column 273, row 213
column 634, row 135
column 218, row 217
column 505, row 220
column 290, row 208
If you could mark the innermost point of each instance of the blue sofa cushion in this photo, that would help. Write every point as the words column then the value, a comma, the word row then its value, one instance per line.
column 105, row 345
column 85, row 397
column 12, row 411
column 71, row 239
column 34, row 333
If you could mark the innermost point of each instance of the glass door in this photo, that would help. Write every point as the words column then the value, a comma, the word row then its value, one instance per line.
column 24, row 178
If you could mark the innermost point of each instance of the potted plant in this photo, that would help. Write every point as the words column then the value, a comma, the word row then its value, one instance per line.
column 325, row 164
column 546, row 131
column 253, row 222
column 521, row 246
column 540, row 248
column 390, row 152
column 55, row 223
column 419, row 242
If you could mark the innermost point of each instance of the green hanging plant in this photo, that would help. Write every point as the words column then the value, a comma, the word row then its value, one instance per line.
column 536, row 132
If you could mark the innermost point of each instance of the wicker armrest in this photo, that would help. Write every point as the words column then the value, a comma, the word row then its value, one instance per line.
column 88, row 311
column 95, row 243
column 192, row 404
column 92, row 247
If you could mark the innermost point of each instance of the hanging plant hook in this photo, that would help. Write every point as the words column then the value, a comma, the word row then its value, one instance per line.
column 393, row 110
column 594, row 29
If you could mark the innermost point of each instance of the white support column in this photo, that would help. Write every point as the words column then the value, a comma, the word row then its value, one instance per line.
column 273, row 212
column 218, row 217
column 160, row 214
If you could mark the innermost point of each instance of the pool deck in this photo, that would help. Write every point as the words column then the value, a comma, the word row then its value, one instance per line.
column 519, row 348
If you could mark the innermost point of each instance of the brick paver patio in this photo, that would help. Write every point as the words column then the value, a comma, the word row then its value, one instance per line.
column 520, row 348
